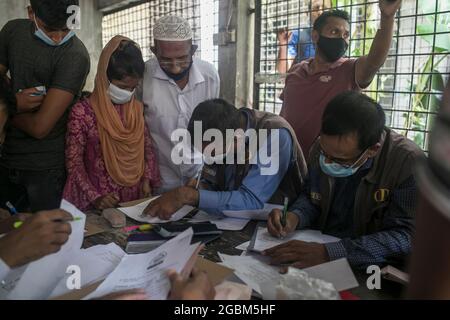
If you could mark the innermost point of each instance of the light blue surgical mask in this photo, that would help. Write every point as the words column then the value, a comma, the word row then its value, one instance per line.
column 46, row 39
column 337, row 170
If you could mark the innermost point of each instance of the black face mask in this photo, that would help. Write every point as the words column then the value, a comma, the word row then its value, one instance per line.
column 179, row 76
column 332, row 48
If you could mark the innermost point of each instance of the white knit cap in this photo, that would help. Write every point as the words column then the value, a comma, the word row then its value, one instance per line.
column 172, row 28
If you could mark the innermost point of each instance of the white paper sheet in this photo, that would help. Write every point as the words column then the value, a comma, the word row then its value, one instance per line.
column 95, row 264
column 221, row 222
column 264, row 240
column 135, row 213
column 337, row 272
column 41, row 277
column 243, row 246
column 262, row 214
column 255, row 272
column 149, row 271
column 251, row 270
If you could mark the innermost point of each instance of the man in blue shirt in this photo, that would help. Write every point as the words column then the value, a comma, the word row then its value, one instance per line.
column 254, row 169
column 360, row 188
column 296, row 46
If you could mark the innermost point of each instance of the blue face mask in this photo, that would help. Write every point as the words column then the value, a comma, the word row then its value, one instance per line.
column 337, row 170
column 179, row 76
column 46, row 39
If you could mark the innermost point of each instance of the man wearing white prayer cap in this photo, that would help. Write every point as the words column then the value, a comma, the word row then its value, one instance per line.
column 175, row 83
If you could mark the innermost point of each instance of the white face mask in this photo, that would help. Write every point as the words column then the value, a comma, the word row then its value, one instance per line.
column 118, row 95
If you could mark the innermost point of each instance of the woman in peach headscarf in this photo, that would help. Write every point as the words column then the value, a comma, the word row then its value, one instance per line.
column 109, row 154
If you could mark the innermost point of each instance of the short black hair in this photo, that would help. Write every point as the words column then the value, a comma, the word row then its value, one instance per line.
column 322, row 19
column 7, row 97
column 354, row 112
column 126, row 61
column 53, row 12
column 215, row 114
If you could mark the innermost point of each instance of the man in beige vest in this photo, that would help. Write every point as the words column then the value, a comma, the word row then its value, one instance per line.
column 258, row 161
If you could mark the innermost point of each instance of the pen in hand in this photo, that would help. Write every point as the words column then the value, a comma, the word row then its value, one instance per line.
column 11, row 208
column 199, row 177
column 284, row 216
column 18, row 224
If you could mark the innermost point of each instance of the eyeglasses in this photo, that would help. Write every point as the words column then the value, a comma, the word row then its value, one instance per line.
column 340, row 162
column 181, row 63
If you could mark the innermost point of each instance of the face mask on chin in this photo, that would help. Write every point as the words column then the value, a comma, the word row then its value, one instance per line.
column 179, row 76
column 332, row 48
column 47, row 40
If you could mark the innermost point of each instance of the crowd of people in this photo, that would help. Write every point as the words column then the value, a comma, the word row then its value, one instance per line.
column 342, row 170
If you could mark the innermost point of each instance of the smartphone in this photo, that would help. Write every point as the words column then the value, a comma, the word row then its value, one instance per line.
column 42, row 92
column 200, row 229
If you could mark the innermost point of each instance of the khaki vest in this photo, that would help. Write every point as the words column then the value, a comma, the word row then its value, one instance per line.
column 393, row 165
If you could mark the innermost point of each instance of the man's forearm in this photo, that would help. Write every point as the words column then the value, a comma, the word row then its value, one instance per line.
column 375, row 249
column 190, row 196
column 27, row 123
column 283, row 61
column 382, row 43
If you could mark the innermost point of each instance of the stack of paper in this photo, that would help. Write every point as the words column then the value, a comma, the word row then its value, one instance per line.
column 95, row 264
column 37, row 280
column 255, row 272
column 149, row 271
column 136, row 211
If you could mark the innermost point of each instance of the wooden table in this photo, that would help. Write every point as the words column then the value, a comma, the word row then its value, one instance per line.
column 227, row 244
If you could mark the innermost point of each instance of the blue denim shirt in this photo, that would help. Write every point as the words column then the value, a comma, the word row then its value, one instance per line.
column 301, row 47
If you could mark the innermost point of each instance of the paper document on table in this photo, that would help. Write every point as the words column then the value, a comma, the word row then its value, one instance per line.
column 256, row 273
column 337, row 272
column 95, row 264
column 243, row 246
column 149, row 271
column 262, row 214
column 264, row 240
column 221, row 222
column 251, row 270
column 41, row 276
column 135, row 213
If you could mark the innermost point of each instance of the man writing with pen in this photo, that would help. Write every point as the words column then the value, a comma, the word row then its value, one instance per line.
column 234, row 177
column 360, row 188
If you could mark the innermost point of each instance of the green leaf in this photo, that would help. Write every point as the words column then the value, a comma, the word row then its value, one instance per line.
column 442, row 42
column 426, row 6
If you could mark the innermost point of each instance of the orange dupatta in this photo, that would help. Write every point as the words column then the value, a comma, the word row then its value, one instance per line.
column 122, row 143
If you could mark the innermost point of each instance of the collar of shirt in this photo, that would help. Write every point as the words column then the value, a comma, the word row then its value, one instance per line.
column 306, row 66
column 195, row 76
column 368, row 165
